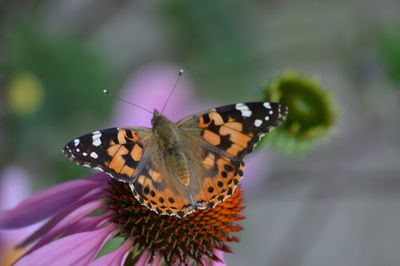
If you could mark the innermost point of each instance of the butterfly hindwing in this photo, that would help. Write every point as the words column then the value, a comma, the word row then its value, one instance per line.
column 217, row 177
column 116, row 151
column 225, row 135
column 159, row 191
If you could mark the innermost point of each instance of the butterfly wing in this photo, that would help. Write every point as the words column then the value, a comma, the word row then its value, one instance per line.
column 132, row 155
column 215, row 143
column 223, row 137
column 157, row 188
column 116, row 151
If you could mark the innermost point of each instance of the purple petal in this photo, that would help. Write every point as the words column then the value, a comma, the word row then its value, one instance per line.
column 90, row 197
column 87, row 224
column 257, row 168
column 77, row 249
column 156, row 260
column 14, row 186
column 220, row 255
column 115, row 258
column 149, row 88
column 45, row 203
column 99, row 177
column 144, row 258
column 66, row 223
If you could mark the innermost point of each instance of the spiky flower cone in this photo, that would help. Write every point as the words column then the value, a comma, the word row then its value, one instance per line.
column 177, row 240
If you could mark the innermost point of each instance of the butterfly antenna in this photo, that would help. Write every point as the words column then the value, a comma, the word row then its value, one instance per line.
column 173, row 89
column 108, row 93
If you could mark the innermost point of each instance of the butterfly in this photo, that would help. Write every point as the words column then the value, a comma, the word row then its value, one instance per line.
column 175, row 168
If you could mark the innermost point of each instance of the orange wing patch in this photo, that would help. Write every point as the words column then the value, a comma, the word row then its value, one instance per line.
column 164, row 202
column 115, row 151
column 150, row 190
column 117, row 161
column 228, row 136
column 136, row 153
column 211, row 137
column 216, row 188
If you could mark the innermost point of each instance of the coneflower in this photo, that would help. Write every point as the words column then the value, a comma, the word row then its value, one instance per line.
column 83, row 215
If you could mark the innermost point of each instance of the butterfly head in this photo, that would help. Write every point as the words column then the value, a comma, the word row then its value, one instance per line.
column 159, row 121
column 157, row 118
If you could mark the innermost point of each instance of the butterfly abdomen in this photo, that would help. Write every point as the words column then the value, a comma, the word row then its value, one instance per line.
column 171, row 145
column 178, row 163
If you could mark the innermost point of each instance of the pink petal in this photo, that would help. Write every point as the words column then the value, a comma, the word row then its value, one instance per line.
column 77, row 249
column 257, row 168
column 144, row 258
column 99, row 177
column 66, row 223
column 220, row 255
column 115, row 258
column 150, row 88
column 14, row 186
column 45, row 203
column 90, row 197
column 86, row 224
column 156, row 260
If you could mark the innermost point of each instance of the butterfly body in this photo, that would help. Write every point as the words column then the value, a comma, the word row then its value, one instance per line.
column 170, row 144
column 176, row 168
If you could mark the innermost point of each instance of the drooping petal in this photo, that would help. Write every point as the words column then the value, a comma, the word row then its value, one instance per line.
column 14, row 187
column 144, row 258
column 87, row 224
column 90, row 197
column 115, row 258
column 157, row 259
column 220, row 255
column 78, row 249
column 99, row 177
column 45, row 203
column 66, row 223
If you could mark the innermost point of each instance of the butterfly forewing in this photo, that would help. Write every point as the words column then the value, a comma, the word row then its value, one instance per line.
column 116, row 151
column 223, row 137
column 237, row 128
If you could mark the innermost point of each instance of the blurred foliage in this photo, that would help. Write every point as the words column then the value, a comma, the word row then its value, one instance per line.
column 390, row 53
column 208, row 37
column 57, row 80
column 311, row 112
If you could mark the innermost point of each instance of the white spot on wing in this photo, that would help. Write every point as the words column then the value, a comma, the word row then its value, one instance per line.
column 96, row 142
column 96, row 138
column 258, row 122
column 267, row 105
column 94, row 155
column 271, row 112
column 266, row 118
column 244, row 109
column 76, row 141
column 84, row 154
column 78, row 150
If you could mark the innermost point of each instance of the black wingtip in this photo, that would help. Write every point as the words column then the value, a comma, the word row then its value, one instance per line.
column 68, row 151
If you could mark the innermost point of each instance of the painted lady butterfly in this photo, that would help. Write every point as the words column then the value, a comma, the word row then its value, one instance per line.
column 176, row 168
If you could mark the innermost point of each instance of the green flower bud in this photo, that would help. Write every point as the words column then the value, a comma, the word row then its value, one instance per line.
column 311, row 112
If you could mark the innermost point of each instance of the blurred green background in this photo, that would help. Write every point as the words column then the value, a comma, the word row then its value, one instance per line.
column 337, row 204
